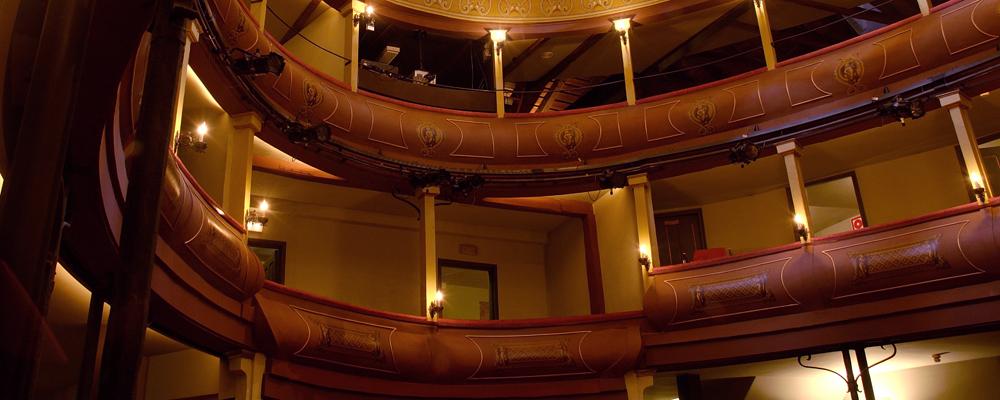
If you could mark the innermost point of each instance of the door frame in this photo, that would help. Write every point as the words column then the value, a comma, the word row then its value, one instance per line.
column 491, row 269
column 659, row 216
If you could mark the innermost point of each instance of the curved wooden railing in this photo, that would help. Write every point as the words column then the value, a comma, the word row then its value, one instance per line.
column 899, row 57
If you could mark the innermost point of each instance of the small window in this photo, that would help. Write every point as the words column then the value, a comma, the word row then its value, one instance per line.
column 272, row 254
column 470, row 289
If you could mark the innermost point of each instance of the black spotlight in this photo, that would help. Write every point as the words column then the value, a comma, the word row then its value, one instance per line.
column 902, row 109
column 612, row 180
column 424, row 179
column 247, row 63
column 466, row 185
column 744, row 153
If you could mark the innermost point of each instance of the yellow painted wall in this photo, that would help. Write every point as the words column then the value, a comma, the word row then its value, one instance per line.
column 913, row 185
column 521, row 286
column 182, row 374
column 749, row 223
column 329, row 31
column 566, row 270
column 209, row 168
column 619, row 245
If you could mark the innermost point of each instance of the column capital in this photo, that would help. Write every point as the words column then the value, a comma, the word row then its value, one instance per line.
column 193, row 30
column 248, row 120
column 787, row 147
column 638, row 179
column 432, row 191
column 352, row 7
column 954, row 98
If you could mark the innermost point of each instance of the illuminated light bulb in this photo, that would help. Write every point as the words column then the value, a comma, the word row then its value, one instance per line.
column 369, row 10
column 976, row 179
column 644, row 249
column 219, row 210
column 622, row 25
column 201, row 131
column 498, row 35
column 263, row 207
column 799, row 219
column 438, row 297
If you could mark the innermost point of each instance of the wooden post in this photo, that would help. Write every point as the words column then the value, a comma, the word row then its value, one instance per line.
column 958, row 105
column 31, row 204
column 131, row 290
column 352, row 36
column 623, row 38
column 92, row 346
column 644, row 224
column 925, row 7
column 498, row 74
column 796, row 183
column 636, row 383
column 767, row 40
column 192, row 33
column 239, row 164
column 428, row 244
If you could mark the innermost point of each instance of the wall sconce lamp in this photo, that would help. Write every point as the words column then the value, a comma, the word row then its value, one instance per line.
column 257, row 217
column 196, row 140
column 801, row 230
column 645, row 260
column 978, row 187
column 436, row 308
column 368, row 17
column 498, row 36
column 246, row 63
column 622, row 26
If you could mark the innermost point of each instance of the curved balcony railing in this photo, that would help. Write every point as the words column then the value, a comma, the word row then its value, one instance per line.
column 900, row 57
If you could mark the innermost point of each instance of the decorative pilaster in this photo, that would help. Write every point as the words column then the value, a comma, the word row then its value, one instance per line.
column 239, row 164
column 498, row 39
column 636, row 383
column 623, row 26
column 789, row 151
column 192, row 32
column 639, row 184
column 428, row 243
column 958, row 105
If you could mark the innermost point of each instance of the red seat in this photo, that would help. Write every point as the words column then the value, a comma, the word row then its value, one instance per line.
column 708, row 254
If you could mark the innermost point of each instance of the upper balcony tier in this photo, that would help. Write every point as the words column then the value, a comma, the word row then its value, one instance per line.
column 825, row 93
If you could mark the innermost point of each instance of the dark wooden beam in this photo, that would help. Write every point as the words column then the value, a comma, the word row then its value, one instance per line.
column 561, row 66
column 517, row 61
column 706, row 34
column 868, row 14
column 300, row 22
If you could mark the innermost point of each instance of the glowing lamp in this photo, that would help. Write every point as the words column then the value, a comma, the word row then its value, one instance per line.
column 436, row 308
column 978, row 187
column 498, row 35
column 622, row 25
column 801, row 230
column 645, row 260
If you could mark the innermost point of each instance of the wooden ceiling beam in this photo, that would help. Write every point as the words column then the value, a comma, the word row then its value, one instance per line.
column 704, row 35
column 561, row 66
column 300, row 22
column 517, row 61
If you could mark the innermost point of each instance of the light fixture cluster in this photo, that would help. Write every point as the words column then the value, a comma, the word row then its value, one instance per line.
column 645, row 259
column 801, row 228
column 622, row 26
column 246, row 63
column 367, row 18
column 193, row 140
column 451, row 186
column 900, row 108
column 978, row 187
column 436, row 307
column 257, row 217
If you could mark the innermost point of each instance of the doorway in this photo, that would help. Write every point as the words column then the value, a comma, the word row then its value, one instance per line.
column 678, row 235
column 470, row 289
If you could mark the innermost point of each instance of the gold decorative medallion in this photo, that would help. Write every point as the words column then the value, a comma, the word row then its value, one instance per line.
column 482, row 7
column 313, row 97
column 849, row 72
column 430, row 136
column 444, row 4
column 556, row 7
column 702, row 113
column 511, row 7
column 569, row 138
column 597, row 4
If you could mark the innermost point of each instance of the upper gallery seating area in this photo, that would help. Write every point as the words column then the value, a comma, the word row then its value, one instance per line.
column 500, row 199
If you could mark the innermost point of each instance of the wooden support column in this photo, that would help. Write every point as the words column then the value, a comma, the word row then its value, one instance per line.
column 244, row 376
column 130, row 293
column 623, row 26
column 31, row 204
column 239, row 164
column 258, row 10
column 352, row 36
column 958, row 105
column 92, row 348
column 644, row 223
column 498, row 37
column 636, row 383
column 192, row 32
column 766, row 39
column 789, row 150
column 428, row 244
column 925, row 7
